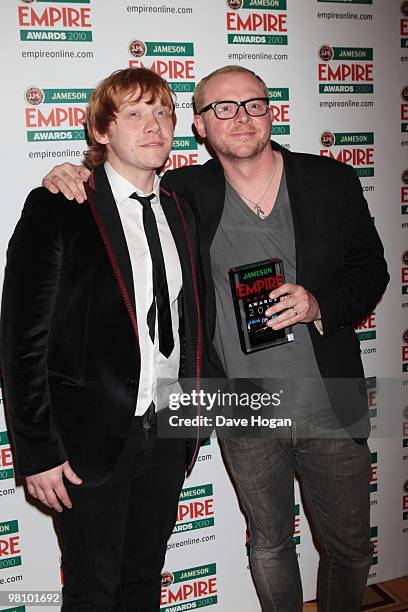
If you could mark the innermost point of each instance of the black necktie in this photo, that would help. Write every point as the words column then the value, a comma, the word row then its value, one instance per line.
column 160, row 288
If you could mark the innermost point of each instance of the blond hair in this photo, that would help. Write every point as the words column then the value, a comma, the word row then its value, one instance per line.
column 199, row 92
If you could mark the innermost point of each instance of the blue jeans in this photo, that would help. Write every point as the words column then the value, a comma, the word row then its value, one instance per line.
column 334, row 476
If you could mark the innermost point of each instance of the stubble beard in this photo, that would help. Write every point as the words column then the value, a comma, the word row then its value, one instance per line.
column 241, row 153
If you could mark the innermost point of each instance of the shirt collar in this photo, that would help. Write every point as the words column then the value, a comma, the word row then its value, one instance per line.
column 122, row 188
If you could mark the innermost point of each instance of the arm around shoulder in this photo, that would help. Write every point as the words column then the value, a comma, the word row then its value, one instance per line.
column 67, row 179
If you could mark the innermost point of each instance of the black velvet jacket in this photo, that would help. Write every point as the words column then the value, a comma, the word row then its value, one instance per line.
column 69, row 345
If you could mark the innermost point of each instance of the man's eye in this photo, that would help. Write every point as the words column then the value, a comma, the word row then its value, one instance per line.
column 255, row 105
column 163, row 113
column 224, row 108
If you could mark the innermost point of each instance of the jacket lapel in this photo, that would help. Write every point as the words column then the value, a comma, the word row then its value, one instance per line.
column 185, row 240
column 300, row 193
column 109, row 215
column 175, row 224
column 210, row 200
column 209, row 206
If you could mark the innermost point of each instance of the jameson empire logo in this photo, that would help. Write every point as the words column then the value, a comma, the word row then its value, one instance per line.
column 371, row 385
column 405, row 501
column 182, row 154
column 6, row 457
column 404, row 273
column 256, row 273
column 9, row 545
column 374, row 542
column 195, row 509
column 404, row 109
column 55, row 114
column 345, row 70
column 279, row 97
column 355, row 148
column 268, row 283
column 404, row 24
column 189, row 589
column 404, row 351
column 404, row 192
column 180, row 73
column 374, row 474
column 405, row 427
column 253, row 27
column 296, row 530
column 366, row 329
column 39, row 22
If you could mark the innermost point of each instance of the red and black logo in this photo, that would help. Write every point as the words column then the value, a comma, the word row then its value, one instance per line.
column 327, row 139
column 137, row 48
column 326, row 53
column 166, row 579
column 34, row 96
column 235, row 5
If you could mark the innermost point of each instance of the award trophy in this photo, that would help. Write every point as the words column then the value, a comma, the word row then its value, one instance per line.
column 251, row 285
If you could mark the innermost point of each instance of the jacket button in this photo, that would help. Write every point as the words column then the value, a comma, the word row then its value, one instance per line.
column 131, row 383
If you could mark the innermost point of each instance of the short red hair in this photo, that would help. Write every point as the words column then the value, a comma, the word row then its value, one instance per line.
column 130, row 84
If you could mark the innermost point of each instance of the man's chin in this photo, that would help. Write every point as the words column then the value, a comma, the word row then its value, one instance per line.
column 156, row 159
column 244, row 151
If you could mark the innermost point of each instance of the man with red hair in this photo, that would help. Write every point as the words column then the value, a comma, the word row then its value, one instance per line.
column 256, row 200
column 100, row 310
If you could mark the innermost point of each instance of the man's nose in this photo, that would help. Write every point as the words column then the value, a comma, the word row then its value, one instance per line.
column 152, row 124
column 242, row 116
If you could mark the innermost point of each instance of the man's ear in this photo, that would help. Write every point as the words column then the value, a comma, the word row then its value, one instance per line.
column 199, row 126
column 101, row 138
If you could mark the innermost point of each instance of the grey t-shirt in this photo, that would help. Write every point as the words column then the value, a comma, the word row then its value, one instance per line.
column 242, row 238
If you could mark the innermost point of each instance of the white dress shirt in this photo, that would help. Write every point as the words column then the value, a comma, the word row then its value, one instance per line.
column 156, row 371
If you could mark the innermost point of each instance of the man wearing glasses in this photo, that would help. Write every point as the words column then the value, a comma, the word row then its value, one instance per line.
column 256, row 200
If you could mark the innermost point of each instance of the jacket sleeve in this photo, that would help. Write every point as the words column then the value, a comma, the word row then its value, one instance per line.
column 31, row 279
column 355, row 293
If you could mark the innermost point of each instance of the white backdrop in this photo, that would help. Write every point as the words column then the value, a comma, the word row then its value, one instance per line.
column 337, row 71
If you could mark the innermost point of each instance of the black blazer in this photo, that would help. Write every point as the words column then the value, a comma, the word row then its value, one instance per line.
column 70, row 352
column 339, row 259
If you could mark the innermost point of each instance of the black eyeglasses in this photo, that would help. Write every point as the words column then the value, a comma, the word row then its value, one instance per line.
column 228, row 109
